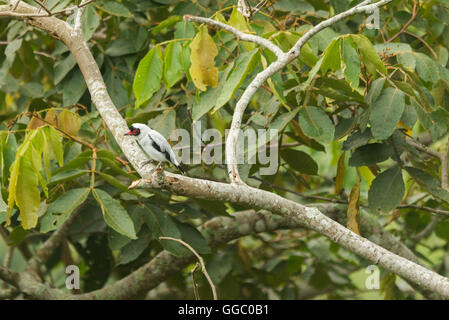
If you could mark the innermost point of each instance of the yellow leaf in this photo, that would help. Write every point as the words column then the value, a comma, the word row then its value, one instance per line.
column 340, row 173
column 23, row 183
column 35, row 123
column 69, row 122
column 203, row 53
column 353, row 213
column 238, row 21
column 51, row 117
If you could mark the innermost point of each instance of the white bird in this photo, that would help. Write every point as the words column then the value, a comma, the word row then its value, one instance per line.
column 154, row 144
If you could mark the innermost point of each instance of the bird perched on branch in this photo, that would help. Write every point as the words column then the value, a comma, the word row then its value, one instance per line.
column 154, row 144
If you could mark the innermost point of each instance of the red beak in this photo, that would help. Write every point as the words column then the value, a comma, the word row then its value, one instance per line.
column 129, row 133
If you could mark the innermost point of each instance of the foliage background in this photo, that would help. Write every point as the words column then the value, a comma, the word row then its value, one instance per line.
column 344, row 110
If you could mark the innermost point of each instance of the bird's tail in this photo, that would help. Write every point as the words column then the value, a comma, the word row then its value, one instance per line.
column 180, row 168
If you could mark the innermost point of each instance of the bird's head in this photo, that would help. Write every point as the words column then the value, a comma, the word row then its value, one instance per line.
column 136, row 129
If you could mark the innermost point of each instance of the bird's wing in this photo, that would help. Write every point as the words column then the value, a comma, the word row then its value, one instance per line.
column 162, row 145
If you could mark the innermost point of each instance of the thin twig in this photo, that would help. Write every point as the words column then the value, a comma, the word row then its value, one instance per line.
column 200, row 259
column 42, row 5
column 416, row 9
column 444, row 169
column 424, row 42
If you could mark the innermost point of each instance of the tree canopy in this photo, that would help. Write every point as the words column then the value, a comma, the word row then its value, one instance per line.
column 314, row 136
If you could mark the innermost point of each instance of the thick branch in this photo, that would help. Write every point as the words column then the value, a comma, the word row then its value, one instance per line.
column 310, row 218
column 293, row 213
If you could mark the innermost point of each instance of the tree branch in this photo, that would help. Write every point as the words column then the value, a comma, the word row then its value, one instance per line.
column 201, row 260
column 280, row 63
column 293, row 214
column 306, row 217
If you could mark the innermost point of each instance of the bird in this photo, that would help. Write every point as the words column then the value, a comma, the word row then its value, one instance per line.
column 154, row 144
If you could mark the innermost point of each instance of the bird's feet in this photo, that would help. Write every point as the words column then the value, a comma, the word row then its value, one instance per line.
column 144, row 163
column 160, row 167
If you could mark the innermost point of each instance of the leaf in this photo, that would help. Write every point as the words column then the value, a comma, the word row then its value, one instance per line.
column 244, row 64
column 165, row 123
column 74, row 88
column 23, row 183
column 114, row 214
column 148, row 76
column 369, row 55
column 61, row 209
column 429, row 183
column 12, row 47
column 203, row 53
column 316, row 124
column 208, row 99
column 357, row 139
column 116, row 89
column 331, row 57
column 161, row 224
column 350, row 62
column 66, row 176
column 173, row 69
column 300, row 161
column 114, row 8
column 63, row 67
column 238, row 21
column 427, row 68
column 386, row 191
column 193, row 237
column 134, row 249
column 69, row 122
column 353, row 212
column 341, row 168
column 370, row 154
column 386, row 112
column 90, row 23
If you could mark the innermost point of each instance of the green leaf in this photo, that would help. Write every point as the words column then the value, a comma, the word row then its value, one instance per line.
column 161, row 224
column 90, row 23
column 244, row 64
column 114, row 8
column 193, row 237
column 74, row 88
column 66, row 176
column 370, row 154
column 386, row 191
column 369, row 55
column 316, row 124
column 148, row 76
column 173, row 69
column 300, row 161
column 12, row 48
column 331, row 57
column 208, row 99
column 238, row 21
column 164, row 123
column 357, row 139
column 429, row 183
column 63, row 67
column 116, row 89
column 427, row 68
column 386, row 112
column 61, row 209
column 134, row 249
column 350, row 62
column 114, row 214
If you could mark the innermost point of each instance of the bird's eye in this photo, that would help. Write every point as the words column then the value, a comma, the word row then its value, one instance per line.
column 136, row 132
